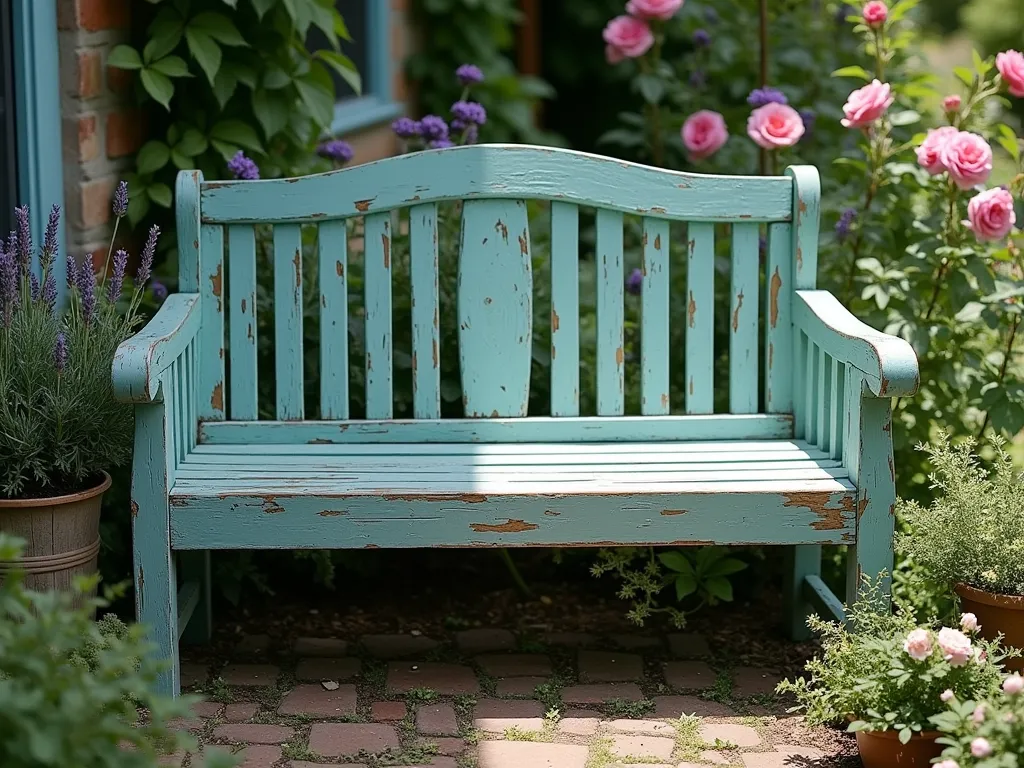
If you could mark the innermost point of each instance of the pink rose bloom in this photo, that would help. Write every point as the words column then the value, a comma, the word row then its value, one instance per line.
column 661, row 10
column 990, row 215
column 775, row 125
column 968, row 158
column 612, row 54
column 929, row 154
column 978, row 716
column 946, row 695
column 918, row 644
column 875, row 13
column 956, row 646
column 867, row 104
column 969, row 623
column 704, row 133
column 630, row 37
column 981, row 748
column 951, row 103
column 1011, row 66
column 1014, row 684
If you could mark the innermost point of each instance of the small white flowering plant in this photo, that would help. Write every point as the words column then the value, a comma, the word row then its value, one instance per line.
column 984, row 734
column 883, row 671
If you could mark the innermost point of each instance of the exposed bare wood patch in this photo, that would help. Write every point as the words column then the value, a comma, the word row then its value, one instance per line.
column 339, row 268
column 861, row 506
column 799, row 258
column 297, row 264
column 523, row 249
column 736, row 313
column 774, row 286
column 217, row 398
column 771, row 353
column 512, row 526
column 364, row 205
column 816, row 501
column 433, row 345
column 691, row 310
column 673, row 512
column 469, row 498
column 386, row 243
column 551, row 513
column 657, row 242
column 320, row 441
column 217, row 284
column 502, row 229
column 332, row 512
column 664, row 400
column 244, row 305
column 134, row 507
column 554, row 320
column 802, row 206
column 270, row 506
column 619, row 356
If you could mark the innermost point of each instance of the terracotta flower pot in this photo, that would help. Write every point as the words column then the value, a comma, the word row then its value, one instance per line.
column 62, row 535
column 997, row 614
column 882, row 749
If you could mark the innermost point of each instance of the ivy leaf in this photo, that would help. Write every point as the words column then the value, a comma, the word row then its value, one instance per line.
column 181, row 162
column 152, row 157
column 232, row 3
column 720, row 587
column 224, row 86
column 271, row 110
column 237, row 132
column 676, row 561
column 165, row 32
column 262, row 6
column 172, row 66
column 726, row 566
column 317, row 99
column 192, row 143
column 854, row 71
column 159, row 86
column 344, row 66
column 227, row 151
column 965, row 75
column 275, row 78
column 205, row 51
column 138, row 208
column 124, row 57
column 219, row 27
column 160, row 194
column 652, row 88
column 686, row 584
column 323, row 19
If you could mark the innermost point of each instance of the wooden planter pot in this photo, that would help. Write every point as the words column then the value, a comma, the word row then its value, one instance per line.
column 62, row 536
column 882, row 749
column 997, row 614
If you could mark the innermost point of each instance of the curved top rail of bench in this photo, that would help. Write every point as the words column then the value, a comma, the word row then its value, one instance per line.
column 499, row 171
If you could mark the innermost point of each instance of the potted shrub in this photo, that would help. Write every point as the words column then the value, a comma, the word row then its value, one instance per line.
column 886, row 676
column 60, row 427
column 985, row 734
column 970, row 536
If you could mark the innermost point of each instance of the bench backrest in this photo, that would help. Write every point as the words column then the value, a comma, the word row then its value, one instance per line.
column 217, row 224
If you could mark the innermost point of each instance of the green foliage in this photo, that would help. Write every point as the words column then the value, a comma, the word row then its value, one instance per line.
column 480, row 32
column 998, row 721
column 866, row 675
column 699, row 577
column 973, row 531
column 60, row 425
column 994, row 25
column 74, row 692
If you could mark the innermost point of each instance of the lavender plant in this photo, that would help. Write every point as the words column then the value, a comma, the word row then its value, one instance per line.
column 60, row 426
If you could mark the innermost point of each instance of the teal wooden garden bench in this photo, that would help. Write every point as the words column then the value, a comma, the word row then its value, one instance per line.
column 803, row 457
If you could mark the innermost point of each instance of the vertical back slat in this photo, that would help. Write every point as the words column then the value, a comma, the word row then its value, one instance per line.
column 565, row 310
column 811, row 392
column 242, row 314
column 191, row 422
column 836, row 427
column 778, row 378
column 610, row 314
column 426, row 362
column 743, row 320
column 288, row 320
column 332, row 248
column 654, row 345
column 799, row 381
column 700, row 317
column 806, row 205
column 377, row 280
column 211, row 288
column 824, row 418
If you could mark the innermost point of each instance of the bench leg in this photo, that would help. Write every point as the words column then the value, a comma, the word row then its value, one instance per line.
column 804, row 561
column 156, row 585
column 194, row 566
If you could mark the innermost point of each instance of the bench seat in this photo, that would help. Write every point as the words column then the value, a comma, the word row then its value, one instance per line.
column 413, row 495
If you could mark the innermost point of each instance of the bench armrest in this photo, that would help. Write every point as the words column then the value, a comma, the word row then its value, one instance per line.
column 141, row 360
column 888, row 363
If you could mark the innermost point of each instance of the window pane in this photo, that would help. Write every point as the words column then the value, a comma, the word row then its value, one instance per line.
column 354, row 13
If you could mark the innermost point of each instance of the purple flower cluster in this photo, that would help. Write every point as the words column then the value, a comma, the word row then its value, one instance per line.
column 50, row 238
column 8, row 284
column 336, row 150
column 71, row 269
column 117, row 276
column 159, row 291
column 24, row 238
column 466, row 113
column 242, row 167
column 761, row 96
column 60, row 352
column 120, row 205
column 33, row 286
column 843, row 225
column 433, row 128
column 469, row 74
column 701, row 38
column 49, row 292
column 406, row 128
column 635, row 282
column 87, row 290
column 146, row 257
column 435, row 131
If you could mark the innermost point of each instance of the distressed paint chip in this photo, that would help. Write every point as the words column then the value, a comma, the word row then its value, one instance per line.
column 775, row 285
column 217, row 398
column 691, row 311
column 830, row 519
column 512, row 526
column 673, row 512
column 217, row 284
column 736, row 312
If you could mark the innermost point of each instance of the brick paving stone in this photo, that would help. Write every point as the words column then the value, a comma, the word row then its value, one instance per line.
column 644, row 727
column 336, row 739
column 446, row 679
column 497, row 715
column 207, row 708
column 193, row 674
column 651, row 765
column 658, row 747
column 484, row 640
column 186, row 724
column 449, row 747
column 688, row 645
column 253, row 645
column 601, row 692
column 515, row 664
column 527, row 754
column 689, row 675
column 387, row 711
column 320, row 646
column 437, row 762
column 521, row 687
column 754, row 681
column 732, row 733
column 784, row 757
column 250, row 674
column 315, row 700
column 397, row 646
column 253, row 733
column 713, row 757
column 240, row 711
column 635, row 642
column 676, row 706
column 609, row 667
column 260, row 757
column 437, row 720
column 327, row 669
column 307, row 764
column 579, row 726
column 570, row 639
column 172, row 761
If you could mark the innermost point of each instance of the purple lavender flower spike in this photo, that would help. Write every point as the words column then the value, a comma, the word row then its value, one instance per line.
column 242, row 167
column 406, row 128
column 159, row 290
column 146, row 258
column 49, row 293
column 468, row 113
column 60, row 352
column 469, row 74
column 767, row 95
column 24, row 238
column 434, row 127
column 337, row 150
column 33, row 284
column 635, row 282
column 117, row 276
column 441, row 144
column 701, row 38
column 87, row 290
column 71, row 268
column 843, row 225
column 50, row 238
column 8, row 284
column 120, row 205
